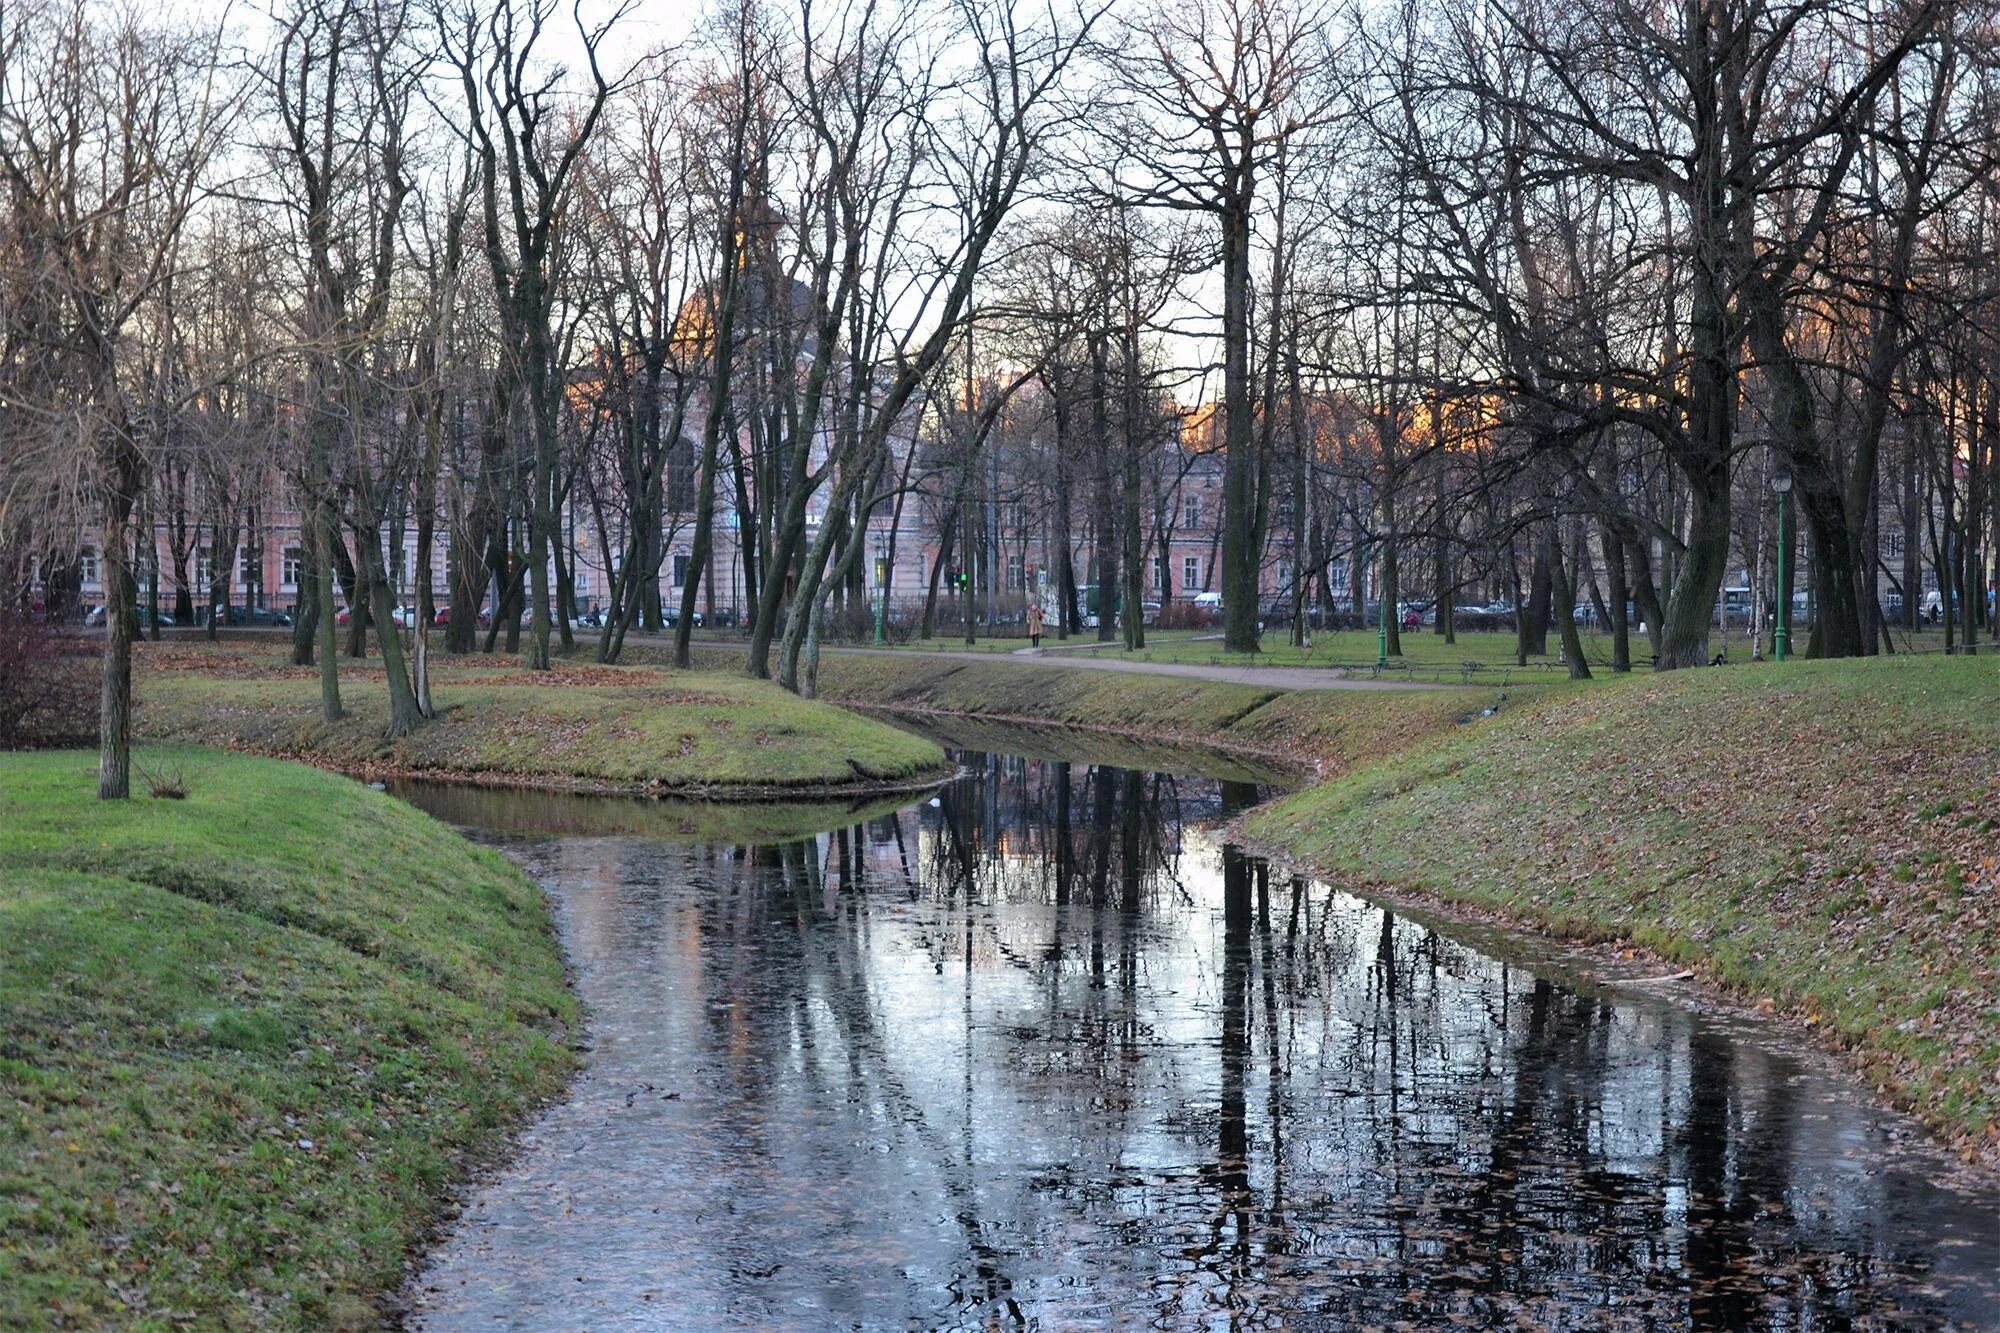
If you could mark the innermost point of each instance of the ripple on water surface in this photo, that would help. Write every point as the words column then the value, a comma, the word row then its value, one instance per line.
column 1044, row 1052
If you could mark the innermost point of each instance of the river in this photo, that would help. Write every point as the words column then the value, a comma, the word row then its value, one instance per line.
column 1040, row 1050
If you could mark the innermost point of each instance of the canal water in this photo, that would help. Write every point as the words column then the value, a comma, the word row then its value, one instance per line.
column 1042, row 1051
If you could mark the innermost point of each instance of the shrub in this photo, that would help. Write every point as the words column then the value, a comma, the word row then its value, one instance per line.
column 48, row 686
column 1184, row 615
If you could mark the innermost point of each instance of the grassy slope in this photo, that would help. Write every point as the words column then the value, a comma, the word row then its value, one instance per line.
column 707, row 734
column 1350, row 648
column 1824, row 835
column 1331, row 728
column 247, row 1038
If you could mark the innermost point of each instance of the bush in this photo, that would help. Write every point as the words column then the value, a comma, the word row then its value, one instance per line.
column 48, row 686
column 1184, row 615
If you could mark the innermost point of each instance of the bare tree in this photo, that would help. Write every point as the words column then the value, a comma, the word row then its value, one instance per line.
column 108, row 129
column 1227, row 86
column 527, row 138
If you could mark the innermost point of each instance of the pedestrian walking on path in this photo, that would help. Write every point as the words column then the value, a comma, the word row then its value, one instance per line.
column 1035, row 624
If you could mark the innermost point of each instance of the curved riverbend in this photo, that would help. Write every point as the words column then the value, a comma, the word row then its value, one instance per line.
column 1042, row 1050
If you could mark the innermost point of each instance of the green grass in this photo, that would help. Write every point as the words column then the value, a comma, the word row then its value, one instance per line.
column 1328, row 730
column 1819, row 834
column 248, row 1040
column 1424, row 654
column 1480, row 654
column 707, row 734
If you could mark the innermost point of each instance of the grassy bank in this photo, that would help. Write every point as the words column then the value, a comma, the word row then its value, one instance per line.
column 1323, row 730
column 248, row 1040
column 1823, row 835
column 712, row 735
column 1424, row 653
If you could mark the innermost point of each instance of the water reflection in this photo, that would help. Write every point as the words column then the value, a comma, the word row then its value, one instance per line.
column 1042, row 1051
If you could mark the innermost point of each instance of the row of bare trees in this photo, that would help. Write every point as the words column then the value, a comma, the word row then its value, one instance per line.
column 470, row 273
column 1528, row 300
column 1540, row 296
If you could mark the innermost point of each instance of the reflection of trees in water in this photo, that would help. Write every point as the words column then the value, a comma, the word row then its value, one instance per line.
column 1381, row 1123
column 1050, row 831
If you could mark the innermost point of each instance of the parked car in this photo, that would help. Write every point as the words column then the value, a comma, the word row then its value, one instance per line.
column 404, row 616
column 252, row 616
column 593, row 619
column 672, row 616
column 95, row 616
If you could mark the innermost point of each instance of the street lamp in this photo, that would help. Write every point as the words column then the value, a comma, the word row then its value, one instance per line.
column 1381, row 615
column 1781, row 486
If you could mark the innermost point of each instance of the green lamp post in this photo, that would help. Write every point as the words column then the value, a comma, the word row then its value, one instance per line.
column 1781, row 486
column 1381, row 621
column 882, row 602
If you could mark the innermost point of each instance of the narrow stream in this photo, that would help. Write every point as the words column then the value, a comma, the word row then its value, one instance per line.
column 1041, row 1051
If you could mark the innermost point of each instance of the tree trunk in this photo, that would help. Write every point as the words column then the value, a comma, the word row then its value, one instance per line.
column 405, row 714
column 1391, row 590
column 123, row 480
column 541, row 532
column 324, row 541
column 1129, row 529
column 1691, row 604
column 1534, row 616
column 1240, row 558
column 946, row 540
column 1560, row 576
column 1617, row 597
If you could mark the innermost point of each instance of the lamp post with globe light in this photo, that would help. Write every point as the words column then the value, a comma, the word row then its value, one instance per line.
column 1781, row 486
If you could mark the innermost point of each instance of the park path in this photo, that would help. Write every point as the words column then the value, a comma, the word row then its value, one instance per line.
column 1275, row 677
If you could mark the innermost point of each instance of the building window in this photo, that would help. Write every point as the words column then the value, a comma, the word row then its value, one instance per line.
column 681, row 478
column 680, row 570
column 292, row 566
column 1160, row 572
column 1191, row 572
column 87, row 562
column 1284, row 576
column 1892, row 544
column 250, row 572
column 1193, row 511
column 202, row 582
column 1016, row 572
